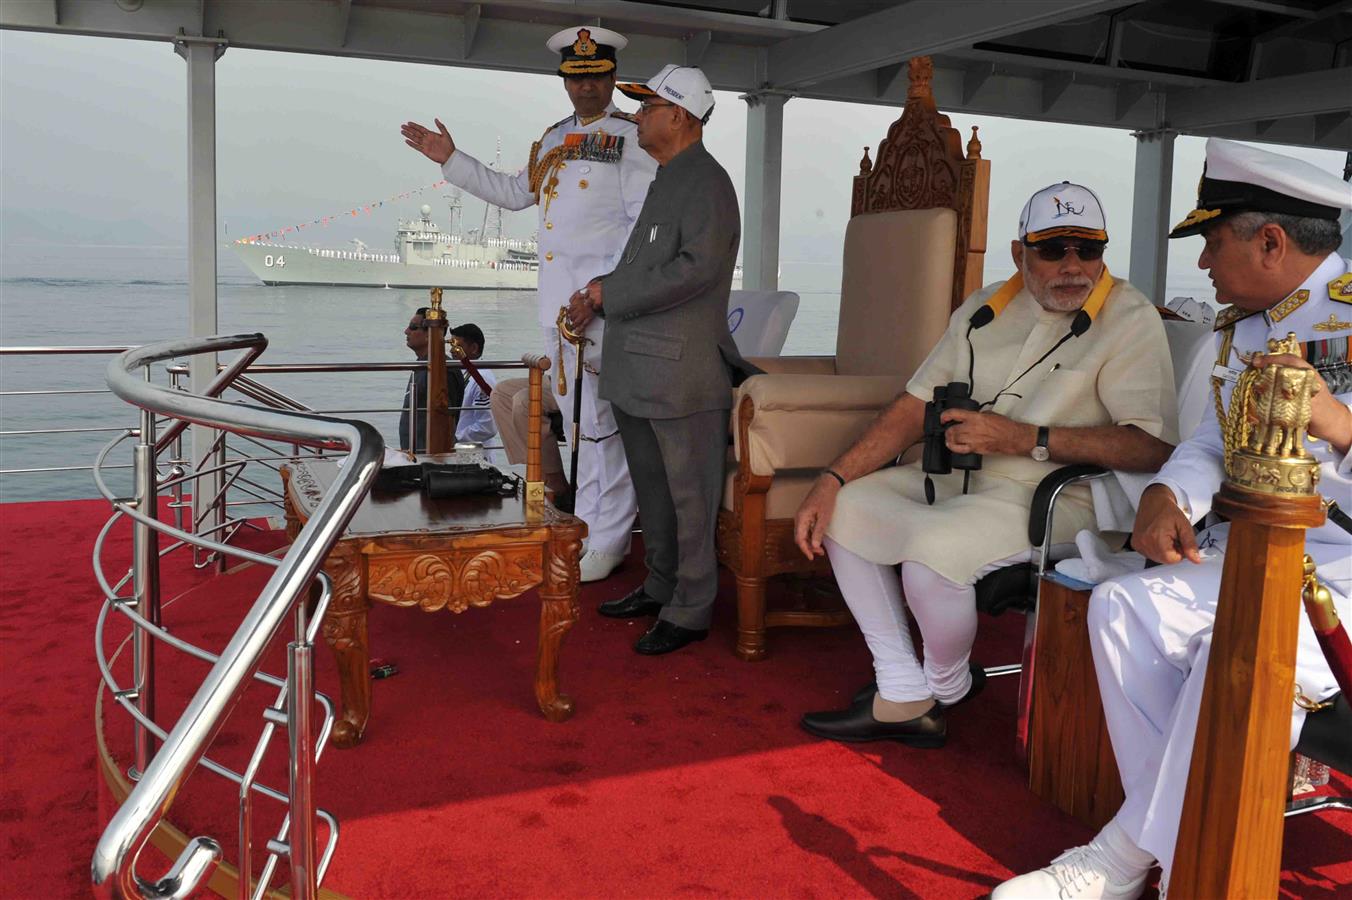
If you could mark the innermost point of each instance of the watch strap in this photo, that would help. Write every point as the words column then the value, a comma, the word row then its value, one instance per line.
column 1044, row 434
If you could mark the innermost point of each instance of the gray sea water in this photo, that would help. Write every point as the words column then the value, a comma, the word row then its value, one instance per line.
column 85, row 295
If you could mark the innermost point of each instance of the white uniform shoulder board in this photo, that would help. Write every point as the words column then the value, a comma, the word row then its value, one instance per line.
column 1340, row 288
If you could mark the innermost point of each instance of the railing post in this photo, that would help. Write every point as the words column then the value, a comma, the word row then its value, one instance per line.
column 219, row 509
column 176, row 448
column 145, row 586
column 299, row 706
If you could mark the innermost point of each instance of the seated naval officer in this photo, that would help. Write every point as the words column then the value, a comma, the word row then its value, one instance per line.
column 1060, row 364
column 588, row 177
column 669, row 360
column 1270, row 224
column 413, row 431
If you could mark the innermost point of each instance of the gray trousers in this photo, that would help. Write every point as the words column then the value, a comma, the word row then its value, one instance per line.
column 677, row 467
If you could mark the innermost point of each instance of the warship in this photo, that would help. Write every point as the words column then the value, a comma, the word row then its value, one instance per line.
column 424, row 256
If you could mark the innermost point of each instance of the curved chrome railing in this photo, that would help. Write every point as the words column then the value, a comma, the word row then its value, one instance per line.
column 184, row 747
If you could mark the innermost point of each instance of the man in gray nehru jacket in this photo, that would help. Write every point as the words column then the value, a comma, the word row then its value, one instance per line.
column 668, row 361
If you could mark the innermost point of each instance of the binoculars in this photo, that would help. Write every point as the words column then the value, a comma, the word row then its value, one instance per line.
column 937, row 459
column 439, row 481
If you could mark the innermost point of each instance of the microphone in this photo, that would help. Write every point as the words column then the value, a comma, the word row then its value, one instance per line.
column 982, row 317
column 1080, row 324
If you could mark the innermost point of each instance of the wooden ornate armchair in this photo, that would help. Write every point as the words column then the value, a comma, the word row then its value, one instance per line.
column 914, row 249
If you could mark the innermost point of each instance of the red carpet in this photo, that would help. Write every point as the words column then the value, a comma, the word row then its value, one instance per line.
column 682, row 775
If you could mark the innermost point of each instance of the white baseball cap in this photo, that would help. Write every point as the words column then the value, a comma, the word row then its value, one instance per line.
column 1063, row 210
column 684, row 86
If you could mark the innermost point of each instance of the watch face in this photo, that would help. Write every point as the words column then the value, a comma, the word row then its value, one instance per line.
column 1040, row 454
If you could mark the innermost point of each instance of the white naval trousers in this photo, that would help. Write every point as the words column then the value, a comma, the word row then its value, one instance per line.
column 944, row 610
column 1151, row 638
column 605, row 496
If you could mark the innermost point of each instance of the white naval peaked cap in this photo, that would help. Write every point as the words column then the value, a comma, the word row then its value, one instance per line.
column 1063, row 210
column 1239, row 178
column 587, row 50
column 685, row 86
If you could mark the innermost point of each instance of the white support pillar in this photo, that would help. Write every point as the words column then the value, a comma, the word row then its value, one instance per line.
column 764, row 165
column 1150, row 213
column 201, row 55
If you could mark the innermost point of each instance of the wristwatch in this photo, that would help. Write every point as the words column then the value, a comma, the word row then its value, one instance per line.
column 1040, row 451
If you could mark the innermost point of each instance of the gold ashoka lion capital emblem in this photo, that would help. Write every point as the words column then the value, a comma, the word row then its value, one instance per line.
column 1264, row 431
column 584, row 45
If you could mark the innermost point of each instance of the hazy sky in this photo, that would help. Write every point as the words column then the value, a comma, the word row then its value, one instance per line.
column 93, row 148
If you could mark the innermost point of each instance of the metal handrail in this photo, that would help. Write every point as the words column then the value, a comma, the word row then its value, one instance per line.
column 114, row 861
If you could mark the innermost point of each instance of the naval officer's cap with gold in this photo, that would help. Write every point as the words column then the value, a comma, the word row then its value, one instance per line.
column 587, row 51
column 1237, row 178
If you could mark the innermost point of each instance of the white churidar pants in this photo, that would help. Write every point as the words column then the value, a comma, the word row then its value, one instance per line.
column 944, row 610
column 605, row 495
column 1151, row 637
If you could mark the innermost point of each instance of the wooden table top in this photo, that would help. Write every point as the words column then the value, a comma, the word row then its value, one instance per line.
column 412, row 512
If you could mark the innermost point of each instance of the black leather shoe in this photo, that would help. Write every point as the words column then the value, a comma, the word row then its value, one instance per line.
column 978, row 683
column 856, row 723
column 664, row 637
column 633, row 605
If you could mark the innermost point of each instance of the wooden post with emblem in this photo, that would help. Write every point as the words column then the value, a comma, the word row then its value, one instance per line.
column 1230, row 834
column 440, row 424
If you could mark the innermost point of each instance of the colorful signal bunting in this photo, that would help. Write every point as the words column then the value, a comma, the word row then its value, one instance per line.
column 323, row 221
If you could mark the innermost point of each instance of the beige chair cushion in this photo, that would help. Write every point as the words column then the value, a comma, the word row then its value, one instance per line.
column 785, row 495
column 896, row 292
column 805, row 421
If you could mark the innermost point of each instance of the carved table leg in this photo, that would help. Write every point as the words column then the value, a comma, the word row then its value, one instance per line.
column 345, row 631
column 558, row 612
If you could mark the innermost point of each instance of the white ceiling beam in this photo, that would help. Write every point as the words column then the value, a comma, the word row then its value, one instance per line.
column 918, row 28
column 696, row 45
column 892, row 80
column 1128, row 95
column 651, row 14
column 1054, row 85
column 974, row 78
column 1270, row 6
column 472, row 14
column 1108, row 73
column 1308, row 94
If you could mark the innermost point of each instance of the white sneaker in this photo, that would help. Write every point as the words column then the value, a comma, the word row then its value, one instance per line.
column 596, row 566
column 1077, row 874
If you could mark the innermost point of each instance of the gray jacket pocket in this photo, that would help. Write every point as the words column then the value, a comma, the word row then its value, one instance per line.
column 651, row 343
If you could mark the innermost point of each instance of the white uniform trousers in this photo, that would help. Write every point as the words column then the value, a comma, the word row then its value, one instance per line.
column 944, row 610
column 1151, row 637
column 605, row 495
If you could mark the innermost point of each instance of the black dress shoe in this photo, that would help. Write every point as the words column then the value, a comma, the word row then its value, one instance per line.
column 928, row 730
column 633, row 605
column 978, row 683
column 664, row 637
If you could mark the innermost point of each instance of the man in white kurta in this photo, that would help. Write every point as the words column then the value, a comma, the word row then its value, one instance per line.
column 589, row 177
column 1271, row 228
column 1069, row 365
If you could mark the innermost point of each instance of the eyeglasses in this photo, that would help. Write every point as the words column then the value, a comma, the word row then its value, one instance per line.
column 1055, row 251
column 648, row 105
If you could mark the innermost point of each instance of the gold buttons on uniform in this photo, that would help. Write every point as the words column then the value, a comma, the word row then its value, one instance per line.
column 549, row 256
column 582, row 184
column 548, row 225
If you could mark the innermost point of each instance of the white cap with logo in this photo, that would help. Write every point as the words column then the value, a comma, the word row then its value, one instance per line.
column 685, row 86
column 1063, row 210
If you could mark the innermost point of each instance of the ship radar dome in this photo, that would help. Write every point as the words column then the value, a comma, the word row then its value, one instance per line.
column 426, row 210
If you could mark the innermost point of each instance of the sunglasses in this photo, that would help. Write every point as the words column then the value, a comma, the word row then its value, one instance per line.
column 1055, row 251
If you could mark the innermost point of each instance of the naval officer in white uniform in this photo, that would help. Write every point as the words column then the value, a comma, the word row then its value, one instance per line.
column 1271, row 228
column 589, row 177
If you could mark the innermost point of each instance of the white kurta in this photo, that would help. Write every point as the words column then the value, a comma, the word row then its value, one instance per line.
column 1117, row 373
column 584, row 222
column 1151, row 632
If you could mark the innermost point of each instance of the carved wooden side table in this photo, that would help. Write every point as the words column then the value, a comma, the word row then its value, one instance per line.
column 408, row 550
